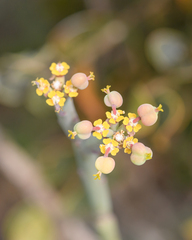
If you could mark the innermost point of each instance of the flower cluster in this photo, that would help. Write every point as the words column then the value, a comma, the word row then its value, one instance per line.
column 57, row 89
column 118, row 132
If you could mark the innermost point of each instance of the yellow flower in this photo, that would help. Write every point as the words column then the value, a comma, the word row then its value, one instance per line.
column 59, row 69
column 110, row 144
column 70, row 89
column 100, row 129
column 42, row 86
column 115, row 118
column 128, row 143
column 56, row 98
column 130, row 125
column 106, row 90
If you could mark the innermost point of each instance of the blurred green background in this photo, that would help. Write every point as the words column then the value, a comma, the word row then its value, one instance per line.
column 140, row 47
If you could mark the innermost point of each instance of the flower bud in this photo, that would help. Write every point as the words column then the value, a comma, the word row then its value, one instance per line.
column 113, row 98
column 83, row 129
column 137, row 160
column 139, row 149
column 140, row 153
column 105, row 164
column 147, row 114
column 79, row 80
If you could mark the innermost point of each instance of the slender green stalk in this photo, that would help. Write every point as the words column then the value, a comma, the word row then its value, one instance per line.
column 86, row 152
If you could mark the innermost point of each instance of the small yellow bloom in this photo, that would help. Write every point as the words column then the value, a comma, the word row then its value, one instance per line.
column 56, row 98
column 128, row 143
column 130, row 125
column 115, row 118
column 109, row 143
column 101, row 129
column 42, row 86
column 70, row 89
column 59, row 69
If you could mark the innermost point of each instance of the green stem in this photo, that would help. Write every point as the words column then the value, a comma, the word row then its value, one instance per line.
column 86, row 152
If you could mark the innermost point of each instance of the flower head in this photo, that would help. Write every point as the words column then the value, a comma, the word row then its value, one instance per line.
column 56, row 98
column 42, row 86
column 70, row 89
column 100, row 129
column 115, row 135
column 115, row 118
column 131, row 126
column 59, row 69
column 110, row 146
column 128, row 143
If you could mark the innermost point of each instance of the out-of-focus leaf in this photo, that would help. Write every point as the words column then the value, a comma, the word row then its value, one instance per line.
column 186, row 229
column 166, row 48
column 28, row 223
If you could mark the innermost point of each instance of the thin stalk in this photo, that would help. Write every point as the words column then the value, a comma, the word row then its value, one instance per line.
column 86, row 152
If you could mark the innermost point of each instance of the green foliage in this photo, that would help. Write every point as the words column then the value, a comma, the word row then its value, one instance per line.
column 28, row 222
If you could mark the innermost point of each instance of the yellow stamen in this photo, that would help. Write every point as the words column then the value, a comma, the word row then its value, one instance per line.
column 148, row 156
column 159, row 108
column 92, row 76
column 106, row 90
column 97, row 175
column 72, row 134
